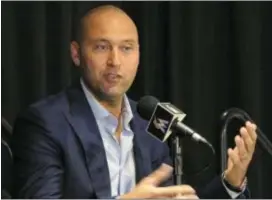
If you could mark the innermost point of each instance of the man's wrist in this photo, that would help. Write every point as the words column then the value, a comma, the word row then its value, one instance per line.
column 235, row 188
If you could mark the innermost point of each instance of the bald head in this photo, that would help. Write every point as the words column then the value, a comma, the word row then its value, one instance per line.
column 103, row 17
column 104, row 9
column 107, row 52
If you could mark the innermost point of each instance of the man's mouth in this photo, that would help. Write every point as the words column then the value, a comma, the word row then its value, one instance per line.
column 112, row 77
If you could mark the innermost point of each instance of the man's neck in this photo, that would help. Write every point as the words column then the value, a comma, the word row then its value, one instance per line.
column 114, row 107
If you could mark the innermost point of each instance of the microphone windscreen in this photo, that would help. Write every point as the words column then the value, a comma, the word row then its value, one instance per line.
column 146, row 106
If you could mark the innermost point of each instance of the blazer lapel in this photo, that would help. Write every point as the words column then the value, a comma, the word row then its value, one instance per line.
column 83, row 121
column 141, row 151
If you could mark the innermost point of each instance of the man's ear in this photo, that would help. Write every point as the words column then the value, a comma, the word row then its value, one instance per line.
column 75, row 53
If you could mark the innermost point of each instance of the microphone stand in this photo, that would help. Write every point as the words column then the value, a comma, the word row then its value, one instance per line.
column 178, row 159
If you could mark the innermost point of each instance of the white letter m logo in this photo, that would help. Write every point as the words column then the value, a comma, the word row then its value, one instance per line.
column 160, row 124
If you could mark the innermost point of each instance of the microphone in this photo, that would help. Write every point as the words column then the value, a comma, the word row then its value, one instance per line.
column 164, row 118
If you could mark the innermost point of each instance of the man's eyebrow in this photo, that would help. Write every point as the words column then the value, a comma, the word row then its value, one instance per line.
column 133, row 41
column 100, row 40
column 129, row 41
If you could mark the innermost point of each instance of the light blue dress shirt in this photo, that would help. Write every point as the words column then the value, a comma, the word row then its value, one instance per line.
column 119, row 156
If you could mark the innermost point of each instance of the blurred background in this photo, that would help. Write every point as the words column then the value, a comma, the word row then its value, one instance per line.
column 204, row 57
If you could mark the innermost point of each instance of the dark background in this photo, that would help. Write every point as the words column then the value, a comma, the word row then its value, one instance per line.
column 204, row 57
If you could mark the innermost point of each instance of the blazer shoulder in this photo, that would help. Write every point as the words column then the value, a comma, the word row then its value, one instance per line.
column 45, row 112
column 49, row 105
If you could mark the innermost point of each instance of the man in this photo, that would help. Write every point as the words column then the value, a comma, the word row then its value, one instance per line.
column 89, row 142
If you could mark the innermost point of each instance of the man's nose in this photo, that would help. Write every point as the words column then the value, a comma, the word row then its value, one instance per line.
column 114, row 58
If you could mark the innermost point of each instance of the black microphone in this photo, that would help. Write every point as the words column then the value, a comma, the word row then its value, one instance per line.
column 165, row 118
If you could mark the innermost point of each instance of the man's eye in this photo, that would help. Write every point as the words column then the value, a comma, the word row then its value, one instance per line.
column 101, row 47
column 126, row 48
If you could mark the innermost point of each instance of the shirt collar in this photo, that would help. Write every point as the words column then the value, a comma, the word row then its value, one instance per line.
column 101, row 113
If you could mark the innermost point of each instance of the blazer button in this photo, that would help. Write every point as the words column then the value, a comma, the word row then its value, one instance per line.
column 99, row 169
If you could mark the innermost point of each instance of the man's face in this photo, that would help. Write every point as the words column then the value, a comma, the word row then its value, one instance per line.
column 109, row 54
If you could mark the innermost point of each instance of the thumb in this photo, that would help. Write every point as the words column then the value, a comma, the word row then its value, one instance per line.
column 158, row 176
column 230, row 163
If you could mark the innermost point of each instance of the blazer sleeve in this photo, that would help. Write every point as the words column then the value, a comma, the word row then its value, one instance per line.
column 38, row 170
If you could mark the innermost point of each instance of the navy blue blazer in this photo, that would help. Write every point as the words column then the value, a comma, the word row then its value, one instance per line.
column 58, row 151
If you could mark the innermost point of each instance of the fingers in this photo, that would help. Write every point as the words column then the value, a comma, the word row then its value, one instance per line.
column 159, row 175
column 251, row 128
column 174, row 190
column 247, row 139
column 250, row 136
column 240, row 144
column 230, row 163
column 234, row 157
column 241, row 155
